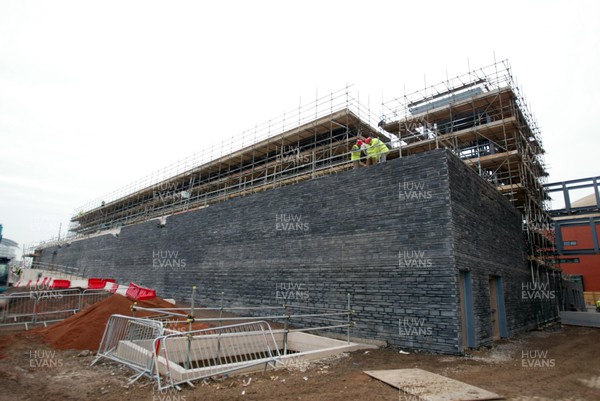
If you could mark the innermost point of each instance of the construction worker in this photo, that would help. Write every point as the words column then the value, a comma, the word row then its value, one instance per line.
column 356, row 154
column 17, row 271
column 598, row 305
column 376, row 150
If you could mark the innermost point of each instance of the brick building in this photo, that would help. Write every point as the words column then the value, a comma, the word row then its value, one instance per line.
column 577, row 226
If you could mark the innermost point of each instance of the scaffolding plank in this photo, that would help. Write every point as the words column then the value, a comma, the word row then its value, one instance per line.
column 510, row 187
column 495, row 160
column 484, row 99
column 493, row 131
column 430, row 386
column 226, row 173
column 305, row 131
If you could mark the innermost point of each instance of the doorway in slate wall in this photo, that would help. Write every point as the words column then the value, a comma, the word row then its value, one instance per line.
column 467, row 317
column 497, row 312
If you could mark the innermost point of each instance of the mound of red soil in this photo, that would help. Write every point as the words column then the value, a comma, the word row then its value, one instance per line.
column 85, row 329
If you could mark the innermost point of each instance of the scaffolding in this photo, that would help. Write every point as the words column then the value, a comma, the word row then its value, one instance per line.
column 484, row 119
column 481, row 116
column 313, row 140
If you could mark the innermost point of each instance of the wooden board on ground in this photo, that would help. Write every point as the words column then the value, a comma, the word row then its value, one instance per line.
column 427, row 386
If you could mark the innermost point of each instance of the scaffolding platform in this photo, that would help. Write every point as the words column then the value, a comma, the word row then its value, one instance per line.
column 480, row 116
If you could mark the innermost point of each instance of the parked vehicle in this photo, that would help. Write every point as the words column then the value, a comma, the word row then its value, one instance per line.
column 8, row 251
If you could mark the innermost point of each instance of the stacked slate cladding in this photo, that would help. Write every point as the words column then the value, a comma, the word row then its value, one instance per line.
column 394, row 236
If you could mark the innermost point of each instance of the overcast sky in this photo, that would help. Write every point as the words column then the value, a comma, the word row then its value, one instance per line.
column 97, row 94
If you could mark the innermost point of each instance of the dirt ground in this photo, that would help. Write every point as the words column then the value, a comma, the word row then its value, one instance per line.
column 559, row 363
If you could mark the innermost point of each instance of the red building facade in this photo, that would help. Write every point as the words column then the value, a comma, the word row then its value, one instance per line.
column 577, row 246
column 577, row 229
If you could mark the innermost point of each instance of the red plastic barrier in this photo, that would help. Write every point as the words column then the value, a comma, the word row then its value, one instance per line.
column 59, row 284
column 96, row 283
column 139, row 293
column 99, row 283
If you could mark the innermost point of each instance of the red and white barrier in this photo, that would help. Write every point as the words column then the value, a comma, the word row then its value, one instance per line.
column 132, row 291
column 140, row 293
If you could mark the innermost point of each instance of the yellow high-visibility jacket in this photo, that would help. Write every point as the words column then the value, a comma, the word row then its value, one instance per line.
column 356, row 153
column 377, row 148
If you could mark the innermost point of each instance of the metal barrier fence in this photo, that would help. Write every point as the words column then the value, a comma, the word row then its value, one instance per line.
column 167, row 347
column 130, row 341
column 195, row 355
column 292, row 317
column 45, row 306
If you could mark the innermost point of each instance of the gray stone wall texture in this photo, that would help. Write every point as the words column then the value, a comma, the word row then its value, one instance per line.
column 393, row 235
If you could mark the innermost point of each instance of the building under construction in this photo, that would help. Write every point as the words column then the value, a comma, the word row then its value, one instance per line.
column 421, row 237
column 484, row 119
column 317, row 144
column 481, row 117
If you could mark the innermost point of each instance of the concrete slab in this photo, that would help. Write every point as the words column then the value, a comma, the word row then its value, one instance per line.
column 587, row 319
column 429, row 386
column 306, row 347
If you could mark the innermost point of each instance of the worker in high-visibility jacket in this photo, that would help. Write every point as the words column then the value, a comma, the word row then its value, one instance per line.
column 356, row 153
column 598, row 305
column 376, row 150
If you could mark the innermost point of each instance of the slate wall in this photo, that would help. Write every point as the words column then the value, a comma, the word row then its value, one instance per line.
column 488, row 242
column 392, row 235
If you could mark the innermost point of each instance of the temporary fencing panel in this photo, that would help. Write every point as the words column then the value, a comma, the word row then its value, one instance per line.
column 45, row 306
column 17, row 309
column 90, row 297
column 194, row 355
column 53, row 306
column 129, row 340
